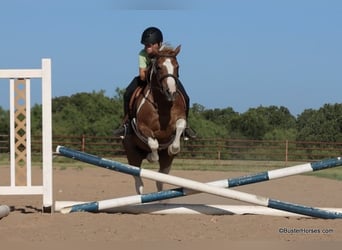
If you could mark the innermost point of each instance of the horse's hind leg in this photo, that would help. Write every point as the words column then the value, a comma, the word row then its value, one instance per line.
column 139, row 185
column 165, row 162
column 135, row 158
column 159, row 184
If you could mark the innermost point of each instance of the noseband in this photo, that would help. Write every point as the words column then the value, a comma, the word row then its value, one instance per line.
column 168, row 75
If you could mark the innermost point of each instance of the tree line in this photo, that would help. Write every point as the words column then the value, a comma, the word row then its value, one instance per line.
column 95, row 114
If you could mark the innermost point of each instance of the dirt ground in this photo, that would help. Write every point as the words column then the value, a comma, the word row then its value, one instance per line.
column 27, row 225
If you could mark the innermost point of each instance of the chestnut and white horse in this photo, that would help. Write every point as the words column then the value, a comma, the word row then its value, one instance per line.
column 160, row 117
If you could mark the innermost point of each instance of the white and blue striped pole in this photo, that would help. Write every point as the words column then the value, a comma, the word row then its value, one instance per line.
column 190, row 184
column 178, row 192
column 226, row 183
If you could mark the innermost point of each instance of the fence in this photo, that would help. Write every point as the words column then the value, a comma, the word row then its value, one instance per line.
column 202, row 148
column 20, row 140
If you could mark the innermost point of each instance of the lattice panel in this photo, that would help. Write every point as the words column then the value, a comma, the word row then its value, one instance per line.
column 20, row 132
column 20, row 182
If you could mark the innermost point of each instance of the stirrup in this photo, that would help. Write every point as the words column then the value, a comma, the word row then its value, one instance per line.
column 121, row 131
column 189, row 133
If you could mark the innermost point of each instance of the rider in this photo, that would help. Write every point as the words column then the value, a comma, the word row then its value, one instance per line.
column 152, row 39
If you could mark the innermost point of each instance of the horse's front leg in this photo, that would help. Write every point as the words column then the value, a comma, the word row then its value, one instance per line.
column 174, row 148
column 154, row 145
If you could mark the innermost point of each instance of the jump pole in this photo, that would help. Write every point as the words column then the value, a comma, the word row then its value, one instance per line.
column 96, row 206
column 198, row 186
column 181, row 208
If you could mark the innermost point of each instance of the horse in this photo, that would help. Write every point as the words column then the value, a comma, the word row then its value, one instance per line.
column 159, row 117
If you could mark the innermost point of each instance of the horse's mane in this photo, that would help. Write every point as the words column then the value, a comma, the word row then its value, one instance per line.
column 166, row 49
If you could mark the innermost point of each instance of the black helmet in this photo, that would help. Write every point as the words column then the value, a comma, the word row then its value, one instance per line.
column 151, row 35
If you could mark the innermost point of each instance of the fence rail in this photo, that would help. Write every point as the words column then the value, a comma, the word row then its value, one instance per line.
column 202, row 148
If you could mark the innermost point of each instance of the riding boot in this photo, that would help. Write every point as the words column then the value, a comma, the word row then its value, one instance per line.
column 123, row 129
column 189, row 133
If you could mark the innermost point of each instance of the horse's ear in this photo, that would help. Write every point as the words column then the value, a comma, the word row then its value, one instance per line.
column 177, row 50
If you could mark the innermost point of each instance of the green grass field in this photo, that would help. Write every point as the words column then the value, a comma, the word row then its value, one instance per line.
column 61, row 163
column 213, row 165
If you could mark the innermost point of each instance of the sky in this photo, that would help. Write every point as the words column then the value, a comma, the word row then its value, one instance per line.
column 235, row 53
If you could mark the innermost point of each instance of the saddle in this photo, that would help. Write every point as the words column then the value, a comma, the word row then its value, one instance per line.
column 132, row 113
column 134, row 98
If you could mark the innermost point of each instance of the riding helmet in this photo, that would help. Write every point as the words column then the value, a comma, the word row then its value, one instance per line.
column 151, row 35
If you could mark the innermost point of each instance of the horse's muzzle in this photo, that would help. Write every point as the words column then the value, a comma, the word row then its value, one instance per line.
column 170, row 96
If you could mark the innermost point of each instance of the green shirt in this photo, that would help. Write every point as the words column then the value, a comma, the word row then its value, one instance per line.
column 144, row 59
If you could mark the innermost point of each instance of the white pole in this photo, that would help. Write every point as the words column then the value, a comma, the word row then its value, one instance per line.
column 175, row 208
column 47, row 133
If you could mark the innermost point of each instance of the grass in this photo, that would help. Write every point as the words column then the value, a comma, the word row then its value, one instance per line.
column 334, row 174
column 245, row 166
column 215, row 165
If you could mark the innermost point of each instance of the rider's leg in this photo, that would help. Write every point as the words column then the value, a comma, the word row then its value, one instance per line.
column 127, row 96
column 186, row 98
column 188, row 131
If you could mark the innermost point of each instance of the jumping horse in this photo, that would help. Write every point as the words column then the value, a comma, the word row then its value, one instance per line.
column 159, row 116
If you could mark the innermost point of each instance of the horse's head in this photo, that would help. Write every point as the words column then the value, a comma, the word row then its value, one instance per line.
column 165, row 71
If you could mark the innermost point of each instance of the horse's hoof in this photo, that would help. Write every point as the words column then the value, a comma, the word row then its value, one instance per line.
column 150, row 158
column 139, row 189
column 173, row 151
column 159, row 186
column 139, row 185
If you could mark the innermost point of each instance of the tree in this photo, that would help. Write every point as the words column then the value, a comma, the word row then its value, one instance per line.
column 251, row 124
column 4, row 121
column 97, row 114
column 221, row 117
column 86, row 113
column 206, row 122
column 264, row 122
column 324, row 124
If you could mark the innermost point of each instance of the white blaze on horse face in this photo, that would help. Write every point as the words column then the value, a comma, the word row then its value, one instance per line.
column 171, row 83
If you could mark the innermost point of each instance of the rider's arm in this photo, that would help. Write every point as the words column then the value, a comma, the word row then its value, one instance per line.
column 142, row 74
column 144, row 61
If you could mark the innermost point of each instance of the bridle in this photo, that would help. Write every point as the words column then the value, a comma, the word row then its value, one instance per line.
column 154, row 70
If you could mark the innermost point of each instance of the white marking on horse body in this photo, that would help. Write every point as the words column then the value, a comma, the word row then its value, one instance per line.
column 139, row 185
column 171, row 83
column 174, row 148
column 143, row 100
column 154, row 145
